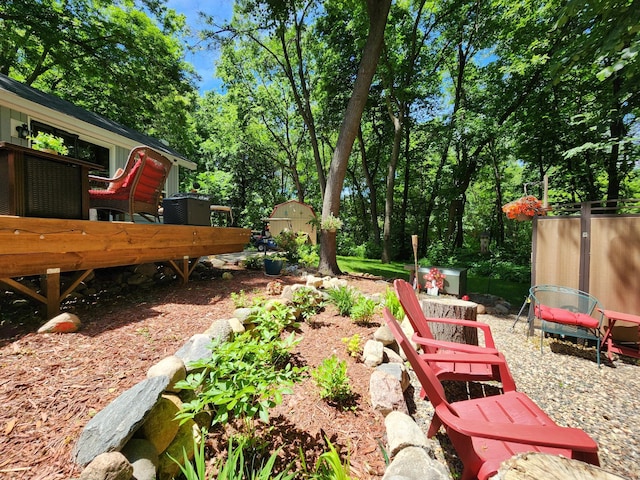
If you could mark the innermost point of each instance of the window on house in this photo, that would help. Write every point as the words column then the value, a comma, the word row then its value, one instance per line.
column 80, row 149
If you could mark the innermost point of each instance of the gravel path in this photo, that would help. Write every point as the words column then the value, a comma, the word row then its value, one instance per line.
column 566, row 383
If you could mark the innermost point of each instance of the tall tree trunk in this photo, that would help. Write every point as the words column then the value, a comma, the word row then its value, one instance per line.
column 391, row 177
column 378, row 13
column 373, row 190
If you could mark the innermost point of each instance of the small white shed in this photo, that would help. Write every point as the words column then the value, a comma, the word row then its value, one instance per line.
column 295, row 216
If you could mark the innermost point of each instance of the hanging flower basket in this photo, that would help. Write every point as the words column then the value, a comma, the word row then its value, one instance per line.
column 524, row 208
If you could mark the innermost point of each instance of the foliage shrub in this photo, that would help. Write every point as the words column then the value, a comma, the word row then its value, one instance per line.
column 287, row 241
column 354, row 344
column 308, row 255
column 363, row 309
column 254, row 262
column 392, row 302
column 344, row 298
column 308, row 301
column 332, row 379
column 246, row 377
column 239, row 299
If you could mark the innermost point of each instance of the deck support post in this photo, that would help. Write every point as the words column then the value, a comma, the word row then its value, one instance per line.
column 50, row 284
column 184, row 270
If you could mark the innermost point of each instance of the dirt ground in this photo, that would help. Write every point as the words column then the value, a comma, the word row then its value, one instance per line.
column 52, row 384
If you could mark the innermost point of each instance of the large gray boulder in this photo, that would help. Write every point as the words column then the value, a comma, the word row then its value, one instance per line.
column 113, row 426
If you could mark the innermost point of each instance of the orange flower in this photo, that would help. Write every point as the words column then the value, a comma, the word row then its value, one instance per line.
column 528, row 206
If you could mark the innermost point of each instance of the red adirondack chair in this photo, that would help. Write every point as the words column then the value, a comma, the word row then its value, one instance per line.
column 487, row 431
column 456, row 369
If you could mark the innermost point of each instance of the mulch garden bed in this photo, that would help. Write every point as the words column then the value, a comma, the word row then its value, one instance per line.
column 52, row 384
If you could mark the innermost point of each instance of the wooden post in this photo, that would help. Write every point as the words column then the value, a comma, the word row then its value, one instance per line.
column 447, row 307
column 414, row 243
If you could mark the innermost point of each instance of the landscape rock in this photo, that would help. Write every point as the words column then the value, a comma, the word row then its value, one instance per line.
column 113, row 426
column 146, row 269
column 183, row 445
column 333, row 282
column 315, row 282
column 397, row 370
column 391, row 355
column 161, row 426
column 242, row 314
column 171, row 367
column 372, row 353
column 386, row 393
column 198, row 347
column 236, row 325
column 219, row 330
column 383, row 335
column 63, row 323
column 414, row 463
column 143, row 457
column 502, row 308
column 108, row 466
column 403, row 432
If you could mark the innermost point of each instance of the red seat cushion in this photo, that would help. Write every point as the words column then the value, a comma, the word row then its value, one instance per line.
column 560, row 315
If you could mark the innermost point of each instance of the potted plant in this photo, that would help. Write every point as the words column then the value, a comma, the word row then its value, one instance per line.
column 330, row 223
column 47, row 142
column 434, row 281
column 273, row 264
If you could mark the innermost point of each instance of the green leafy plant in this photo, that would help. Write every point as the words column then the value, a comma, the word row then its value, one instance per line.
column 196, row 469
column 271, row 320
column 354, row 344
column 246, row 377
column 364, row 309
column 344, row 298
column 48, row 141
column 330, row 466
column 254, row 262
column 239, row 299
column 243, row 462
column 308, row 255
column 307, row 302
column 392, row 302
column 332, row 379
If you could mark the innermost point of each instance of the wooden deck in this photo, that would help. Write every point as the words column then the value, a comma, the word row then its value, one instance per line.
column 48, row 247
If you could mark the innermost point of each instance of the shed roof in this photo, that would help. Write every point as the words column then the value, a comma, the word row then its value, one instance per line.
column 51, row 102
column 284, row 204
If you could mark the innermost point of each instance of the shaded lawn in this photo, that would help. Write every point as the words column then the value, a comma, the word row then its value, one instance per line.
column 515, row 293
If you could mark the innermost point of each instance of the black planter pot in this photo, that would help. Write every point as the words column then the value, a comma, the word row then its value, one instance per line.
column 273, row 267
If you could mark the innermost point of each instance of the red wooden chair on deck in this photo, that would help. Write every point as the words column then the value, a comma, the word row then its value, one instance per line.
column 452, row 370
column 137, row 188
column 487, row 431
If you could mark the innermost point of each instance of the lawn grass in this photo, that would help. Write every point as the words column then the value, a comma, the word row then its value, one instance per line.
column 514, row 293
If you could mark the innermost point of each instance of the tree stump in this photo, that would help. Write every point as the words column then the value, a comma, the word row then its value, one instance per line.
column 534, row 466
column 450, row 307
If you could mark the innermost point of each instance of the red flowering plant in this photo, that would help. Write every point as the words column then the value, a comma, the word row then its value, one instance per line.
column 435, row 277
column 524, row 208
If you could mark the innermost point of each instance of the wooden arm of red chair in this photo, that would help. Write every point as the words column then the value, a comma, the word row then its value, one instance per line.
column 486, row 329
column 460, row 347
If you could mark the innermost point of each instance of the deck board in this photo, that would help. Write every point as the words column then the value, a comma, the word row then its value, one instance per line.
column 31, row 246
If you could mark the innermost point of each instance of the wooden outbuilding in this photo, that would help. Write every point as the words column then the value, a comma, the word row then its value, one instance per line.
column 294, row 216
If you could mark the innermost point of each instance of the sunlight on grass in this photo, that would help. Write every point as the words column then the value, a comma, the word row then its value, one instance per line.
column 514, row 293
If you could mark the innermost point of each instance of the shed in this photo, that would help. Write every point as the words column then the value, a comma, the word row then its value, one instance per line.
column 295, row 216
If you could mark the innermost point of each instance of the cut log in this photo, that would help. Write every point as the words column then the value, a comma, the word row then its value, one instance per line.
column 534, row 466
column 450, row 307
